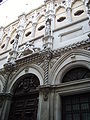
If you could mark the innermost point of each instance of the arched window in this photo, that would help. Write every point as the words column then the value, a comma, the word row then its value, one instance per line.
column 76, row 106
column 76, row 74
column 25, row 99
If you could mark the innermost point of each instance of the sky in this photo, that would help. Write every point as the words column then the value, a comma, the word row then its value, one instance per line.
column 11, row 9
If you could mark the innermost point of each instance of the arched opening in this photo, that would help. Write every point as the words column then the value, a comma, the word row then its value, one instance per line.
column 76, row 106
column 76, row 74
column 24, row 103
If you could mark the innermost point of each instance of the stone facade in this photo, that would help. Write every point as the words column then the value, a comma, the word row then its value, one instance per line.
column 47, row 42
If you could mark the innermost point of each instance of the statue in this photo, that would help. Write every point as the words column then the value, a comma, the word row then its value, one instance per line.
column 48, row 27
column 15, row 44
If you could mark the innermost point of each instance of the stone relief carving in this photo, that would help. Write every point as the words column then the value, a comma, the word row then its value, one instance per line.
column 53, row 61
column 28, row 48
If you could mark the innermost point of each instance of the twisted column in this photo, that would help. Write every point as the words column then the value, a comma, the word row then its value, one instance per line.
column 46, row 67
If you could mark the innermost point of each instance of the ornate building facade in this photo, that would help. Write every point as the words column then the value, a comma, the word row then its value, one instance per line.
column 45, row 63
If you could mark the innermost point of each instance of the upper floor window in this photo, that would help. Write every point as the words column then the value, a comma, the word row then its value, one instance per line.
column 27, row 34
column 61, row 19
column 79, row 12
column 41, row 27
column 3, row 46
column 12, row 41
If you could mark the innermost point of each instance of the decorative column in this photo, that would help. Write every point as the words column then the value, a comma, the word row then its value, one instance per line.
column 1, row 33
column 68, row 9
column 8, row 36
column 88, row 9
column 21, row 27
column 14, row 52
column 34, row 24
column 7, row 71
column 44, row 90
column 69, row 14
column 50, row 12
column 47, row 59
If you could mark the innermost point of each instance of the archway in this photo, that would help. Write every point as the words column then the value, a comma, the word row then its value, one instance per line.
column 76, row 106
column 24, row 103
column 77, row 73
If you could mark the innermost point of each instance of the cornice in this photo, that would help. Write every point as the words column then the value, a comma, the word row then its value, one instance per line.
column 82, row 44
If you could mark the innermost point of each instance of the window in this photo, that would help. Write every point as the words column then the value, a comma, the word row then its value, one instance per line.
column 12, row 41
column 41, row 27
column 76, row 107
column 27, row 34
column 3, row 46
column 76, row 74
column 79, row 12
column 61, row 19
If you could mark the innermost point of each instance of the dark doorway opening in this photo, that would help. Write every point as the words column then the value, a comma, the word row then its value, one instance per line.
column 24, row 103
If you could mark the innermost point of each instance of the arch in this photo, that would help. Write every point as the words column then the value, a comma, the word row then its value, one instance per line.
column 29, row 24
column 78, row 2
column 13, row 32
column 40, row 18
column 34, row 69
column 76, row 73
column 82, row 58
column 25, row 100
column 60, row 7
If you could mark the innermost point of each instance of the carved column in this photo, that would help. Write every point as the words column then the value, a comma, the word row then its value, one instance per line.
column 69, row 14
column 33, row 29
column 50, row 13
column 8, row 36
column 46, row 66
column 34, row 24
column 1, row 33
column 88, row 9
column 14, row 52
column 21, row 27
column 68, row 9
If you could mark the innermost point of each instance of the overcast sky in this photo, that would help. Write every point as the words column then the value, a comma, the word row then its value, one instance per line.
column 11, row 9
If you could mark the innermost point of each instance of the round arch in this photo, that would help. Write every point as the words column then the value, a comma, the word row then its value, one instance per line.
column 68, row 61
column 26, row 96
column 33, row 69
